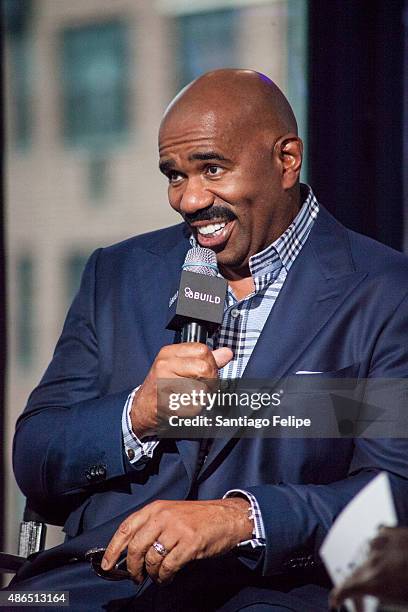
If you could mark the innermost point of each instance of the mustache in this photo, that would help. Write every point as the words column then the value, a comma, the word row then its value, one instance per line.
column 208, row 214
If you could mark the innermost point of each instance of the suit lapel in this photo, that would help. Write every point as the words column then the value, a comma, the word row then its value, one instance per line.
column 165, row 283
column 321, row 278
column 306, row 303
column 158, row 280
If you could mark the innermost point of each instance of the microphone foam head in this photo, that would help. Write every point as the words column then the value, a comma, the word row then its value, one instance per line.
column 202, row 261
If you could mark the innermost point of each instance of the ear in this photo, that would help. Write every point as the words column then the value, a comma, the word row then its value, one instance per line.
column 290, row 152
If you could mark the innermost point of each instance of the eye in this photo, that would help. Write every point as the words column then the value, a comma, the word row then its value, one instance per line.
column 174, row 177
column 214, row 170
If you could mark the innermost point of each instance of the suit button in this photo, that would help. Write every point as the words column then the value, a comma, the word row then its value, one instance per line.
column 90, row 473
column 101, row 471
column 130, row 453
column 96, row 472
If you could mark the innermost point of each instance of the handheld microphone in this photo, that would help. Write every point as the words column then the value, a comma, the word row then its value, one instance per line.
column 197, row 309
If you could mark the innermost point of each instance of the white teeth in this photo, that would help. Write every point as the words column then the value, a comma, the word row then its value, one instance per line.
column 211, row 229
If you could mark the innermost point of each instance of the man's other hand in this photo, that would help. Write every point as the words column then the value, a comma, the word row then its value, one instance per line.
column 188, row 360
column 187, row 530
column 383, row 575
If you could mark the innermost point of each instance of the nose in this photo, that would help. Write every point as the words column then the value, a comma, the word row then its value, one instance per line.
column 195, row 196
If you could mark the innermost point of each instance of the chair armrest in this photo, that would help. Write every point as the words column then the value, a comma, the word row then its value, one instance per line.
column 10, row 563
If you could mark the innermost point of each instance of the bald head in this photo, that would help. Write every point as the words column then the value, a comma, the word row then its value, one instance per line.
column 243, row 96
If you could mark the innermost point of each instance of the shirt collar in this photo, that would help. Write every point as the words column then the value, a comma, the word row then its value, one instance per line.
column 284, row 250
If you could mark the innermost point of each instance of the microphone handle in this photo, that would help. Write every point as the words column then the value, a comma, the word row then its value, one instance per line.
column 194, row 332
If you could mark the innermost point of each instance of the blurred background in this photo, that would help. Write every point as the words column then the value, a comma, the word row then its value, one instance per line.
column 85, row 83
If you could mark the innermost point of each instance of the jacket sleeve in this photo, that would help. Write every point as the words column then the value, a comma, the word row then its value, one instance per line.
column 297, row 517
column 69, row 439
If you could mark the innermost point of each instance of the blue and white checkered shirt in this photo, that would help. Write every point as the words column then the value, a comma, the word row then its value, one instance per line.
column 241, row 327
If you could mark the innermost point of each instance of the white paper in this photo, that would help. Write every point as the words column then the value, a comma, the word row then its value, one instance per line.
column 347, row 543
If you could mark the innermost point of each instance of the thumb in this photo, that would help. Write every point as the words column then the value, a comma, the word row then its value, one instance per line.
column 222, row 356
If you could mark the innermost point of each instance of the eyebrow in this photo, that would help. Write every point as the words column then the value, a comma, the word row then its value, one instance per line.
column 209, row 155
column 165, row 166
column 169, row 164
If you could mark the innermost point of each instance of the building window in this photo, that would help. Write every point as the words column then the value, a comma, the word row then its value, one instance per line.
column 17, row 16
column 25, row 286
column 75, row 264
column 97, row 178
column 206, row 41
column 297, row 87
column 95, row 84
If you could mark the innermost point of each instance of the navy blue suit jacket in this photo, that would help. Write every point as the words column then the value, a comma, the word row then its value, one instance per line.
column 342, row 309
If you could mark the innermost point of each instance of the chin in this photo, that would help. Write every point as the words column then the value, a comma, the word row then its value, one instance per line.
column 230, row 260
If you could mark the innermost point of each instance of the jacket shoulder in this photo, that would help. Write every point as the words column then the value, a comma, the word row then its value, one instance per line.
column 157, row 241
column 376, row 258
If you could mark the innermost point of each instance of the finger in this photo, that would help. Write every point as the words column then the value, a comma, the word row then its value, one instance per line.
column 359, row 604
column 222, row 356
column 121, row 538
column 350, row 588
column 184, row 349
column 186, row 396
column 356, row 584
column 154, row 560
column 194, row 367
column 172, row 563
column 138, row 548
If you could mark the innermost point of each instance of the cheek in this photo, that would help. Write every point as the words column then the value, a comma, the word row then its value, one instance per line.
column 237, row 192
column 245, row 223
column 228, row 192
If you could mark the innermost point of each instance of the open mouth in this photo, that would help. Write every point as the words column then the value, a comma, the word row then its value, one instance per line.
column 213, row 234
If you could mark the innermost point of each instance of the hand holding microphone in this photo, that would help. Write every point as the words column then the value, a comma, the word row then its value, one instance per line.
column 186, row 360
column 196, row 313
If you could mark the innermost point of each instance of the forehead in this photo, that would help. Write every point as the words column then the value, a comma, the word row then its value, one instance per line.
column 197, row 129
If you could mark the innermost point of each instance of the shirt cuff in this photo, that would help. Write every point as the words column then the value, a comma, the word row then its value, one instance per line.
column 258, row 532
column 137, row 452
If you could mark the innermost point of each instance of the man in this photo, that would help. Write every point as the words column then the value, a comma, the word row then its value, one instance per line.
column 242, row 529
